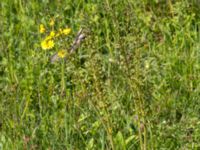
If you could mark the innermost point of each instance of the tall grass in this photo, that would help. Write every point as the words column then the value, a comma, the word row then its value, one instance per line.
column 134, row 83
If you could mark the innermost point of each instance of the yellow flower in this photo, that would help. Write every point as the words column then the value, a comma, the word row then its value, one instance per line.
column 52, row 22
column 62, row 53
column 42, row 28
column 47, row 44
column 66, row 31
column 52, row 34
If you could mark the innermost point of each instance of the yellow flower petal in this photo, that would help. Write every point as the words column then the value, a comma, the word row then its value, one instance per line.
column 51, row 44
column 52, row 34
column 42, row 28
column 47, row 44
column 62, row 53
column 66, row 31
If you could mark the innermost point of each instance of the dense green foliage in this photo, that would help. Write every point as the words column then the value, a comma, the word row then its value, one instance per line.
column 134, row 83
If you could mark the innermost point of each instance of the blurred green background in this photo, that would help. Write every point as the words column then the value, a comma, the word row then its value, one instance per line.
column 134, row 83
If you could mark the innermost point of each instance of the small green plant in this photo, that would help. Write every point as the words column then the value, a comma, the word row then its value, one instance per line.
column 132, row 84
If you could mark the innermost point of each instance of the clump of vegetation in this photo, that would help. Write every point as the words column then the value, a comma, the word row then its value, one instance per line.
column 132, row 83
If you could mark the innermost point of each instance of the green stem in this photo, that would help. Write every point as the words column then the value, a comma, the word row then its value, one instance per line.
column 62, row 78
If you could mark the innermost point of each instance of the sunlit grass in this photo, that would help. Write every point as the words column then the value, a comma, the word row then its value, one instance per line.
column 132, row 83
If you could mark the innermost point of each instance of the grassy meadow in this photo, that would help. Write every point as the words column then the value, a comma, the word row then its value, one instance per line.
column 132, row 84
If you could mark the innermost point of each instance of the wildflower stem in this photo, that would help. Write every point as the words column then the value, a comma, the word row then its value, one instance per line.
column 62, row 77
